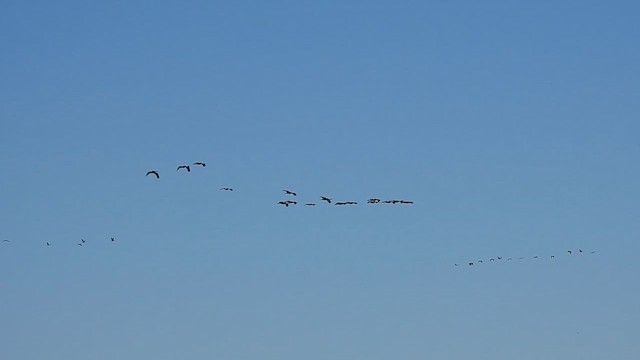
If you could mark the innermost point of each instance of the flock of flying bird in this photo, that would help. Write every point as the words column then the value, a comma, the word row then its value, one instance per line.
column 499, row 258
column 288, row 203
column 328, row 200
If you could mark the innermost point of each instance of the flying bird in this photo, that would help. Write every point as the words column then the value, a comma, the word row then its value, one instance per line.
column 153, row 172
column 288, row 192
column 325, row 199
column 285, row 203
column 48, row 244
column 226, row 189
column 310, row 204
column 83, row 241
column 373, row 201
column 112, row 239
column 406, row 202
column 5, row 240
column 569, row 251
column 198, row 163
column 184, row 167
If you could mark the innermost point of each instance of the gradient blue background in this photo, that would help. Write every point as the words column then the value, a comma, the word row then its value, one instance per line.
column 513, row 126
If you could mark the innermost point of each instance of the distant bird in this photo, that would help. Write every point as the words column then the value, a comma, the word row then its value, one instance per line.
column 291, row 202
column 509, row 259
column 283, row 203
column 479, row 261
column 406, row 202
column 198, row 163
column 569, row 251
column 593, row 252
column 535, row 257
column 184, row 167
column 470, row 263
column 226, row 189
column 154, row 173
column 492, row 259
column 580, row 250
column 5, row 240
column 48, row 244
column 112, row 239
column 499, row 257
column 288, row 192
column 325, row 199
column 373, row 201
column 352, row 202
column 83, row 241
column 553, row 257
column 310, row 204
column 341, row 203
column 80, row 244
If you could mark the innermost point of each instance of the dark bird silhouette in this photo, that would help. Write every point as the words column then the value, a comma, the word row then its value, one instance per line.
column 226, row 189
column 479, row 261
column 341, row 203
column 499, row 257
column 470, row 263
column 80, row 244
column 198, row 163
column 373, row 201
column 310, row 204
column 288, row 192
column 48, row 244
column 285, row 203
column 535, row 257
column 184, row 167
column 112, row 239
column 492, row 259
column 580, row 250
column 83, row 241
column 5, row 240
column 406, row 202
column 569, row 251
column 352, row 202
column 553, row 256
column 291, row 202
column 153, row 172
column 593, row 252
column 325, row 199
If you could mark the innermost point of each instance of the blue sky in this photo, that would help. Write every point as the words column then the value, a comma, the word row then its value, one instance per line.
column 514, row 128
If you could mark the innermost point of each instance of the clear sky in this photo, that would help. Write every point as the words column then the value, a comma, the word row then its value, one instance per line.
column 512, row 125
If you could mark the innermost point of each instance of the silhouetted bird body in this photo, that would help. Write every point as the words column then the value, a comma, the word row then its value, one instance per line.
column 226, row 189
column 184, row 167
column 325, row 199
column 198, row 163
column 153, row 172
column 288, row 192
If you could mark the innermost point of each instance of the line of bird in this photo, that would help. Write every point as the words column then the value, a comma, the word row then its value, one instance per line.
column 81, row 243
column 156, row 173
column 328, row 200
column 499, row 258
column 287, row 203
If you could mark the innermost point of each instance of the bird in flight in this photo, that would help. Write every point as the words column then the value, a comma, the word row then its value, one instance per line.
column 226, row 189
column 288, row 192
column 310, row 204
column 406, row 202
column 569, row 251
column 184, row 167
column 112, row 239
column 198, row 163
column 285, row 203
column 373, row 201
column 48, row 244
column 5, row 240
column 153, row 172
column 83, row 241
column 325, row 199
